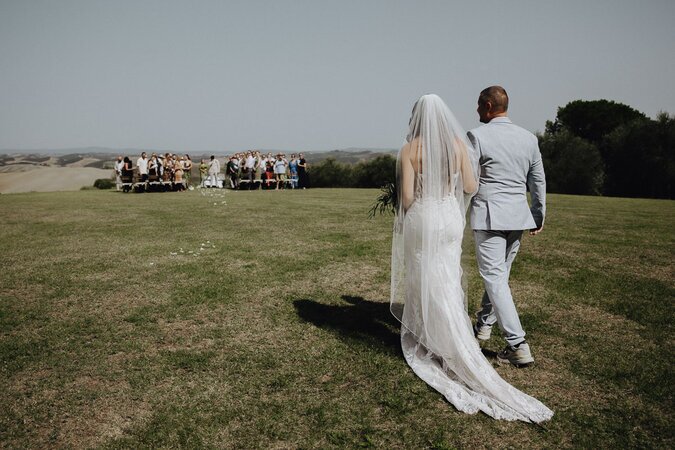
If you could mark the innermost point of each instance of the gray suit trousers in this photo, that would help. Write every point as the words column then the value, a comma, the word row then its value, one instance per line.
column 495, row 252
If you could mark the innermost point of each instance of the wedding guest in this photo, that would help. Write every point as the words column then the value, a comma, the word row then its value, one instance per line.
column 142, row 164
column 241, row 162
column 259, row 165
column 250, row 168
column 187, row 167
column 178, row 175
column 214, row 170
column 262, row 165
column 293, row 170
column 127, row 174
column 203, row 172
column 119, row 165
column 303, row 179
column 232, row 170
column 269, row 172
column 153, row 167
column 127, row 168
column 280, row 171
column 168, row 168
column 160, row 166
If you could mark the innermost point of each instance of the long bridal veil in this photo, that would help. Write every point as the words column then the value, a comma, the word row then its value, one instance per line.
column 428, row 295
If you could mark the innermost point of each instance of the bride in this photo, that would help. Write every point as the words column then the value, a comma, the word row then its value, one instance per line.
column 436, row 176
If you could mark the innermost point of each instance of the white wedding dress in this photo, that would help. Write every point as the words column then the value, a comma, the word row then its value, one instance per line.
column 428, row 295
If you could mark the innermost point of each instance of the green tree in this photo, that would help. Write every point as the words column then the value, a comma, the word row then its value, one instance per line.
column 573, row 165
column 640, row 158
column 376, row 172
column 330, row 173
column 593, row 119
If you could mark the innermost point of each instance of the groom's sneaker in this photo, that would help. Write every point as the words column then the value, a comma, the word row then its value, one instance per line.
column 482, row 332
column 519, row 355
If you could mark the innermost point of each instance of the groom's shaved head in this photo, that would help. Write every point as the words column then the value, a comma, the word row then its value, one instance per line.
column 496, row 96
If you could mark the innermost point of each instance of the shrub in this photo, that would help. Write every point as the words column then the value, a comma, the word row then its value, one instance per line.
column 104, row 183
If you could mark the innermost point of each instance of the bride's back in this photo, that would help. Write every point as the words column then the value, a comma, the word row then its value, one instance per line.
column 414, row 152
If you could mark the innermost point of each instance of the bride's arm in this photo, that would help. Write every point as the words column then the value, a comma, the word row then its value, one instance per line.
column 468, row 172
column 407, row 178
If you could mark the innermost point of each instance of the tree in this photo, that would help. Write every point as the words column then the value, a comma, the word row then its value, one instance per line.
column 640, row 160
column 330, row 173
column 572, row 164
column 375, row 173
column 593, row 119
column 636, row 152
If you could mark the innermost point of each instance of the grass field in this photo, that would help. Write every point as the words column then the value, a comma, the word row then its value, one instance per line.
column 280, row 336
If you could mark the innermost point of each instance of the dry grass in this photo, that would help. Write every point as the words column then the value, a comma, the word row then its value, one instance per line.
column 280, row 337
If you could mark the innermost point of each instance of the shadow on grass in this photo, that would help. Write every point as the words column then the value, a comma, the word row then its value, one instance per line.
column 359, row 320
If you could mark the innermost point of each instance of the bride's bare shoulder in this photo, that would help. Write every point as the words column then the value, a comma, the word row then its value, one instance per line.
column 410, row 149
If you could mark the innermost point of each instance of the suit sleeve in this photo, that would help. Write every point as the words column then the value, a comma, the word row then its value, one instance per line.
column 536, row 183
column 474, row 141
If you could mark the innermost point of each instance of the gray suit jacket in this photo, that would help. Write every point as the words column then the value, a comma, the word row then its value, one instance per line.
column 510, row 162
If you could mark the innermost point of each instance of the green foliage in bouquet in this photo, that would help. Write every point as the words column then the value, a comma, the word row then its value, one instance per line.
column 386, row 202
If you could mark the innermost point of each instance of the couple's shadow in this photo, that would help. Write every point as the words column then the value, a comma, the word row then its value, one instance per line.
column 358, row 321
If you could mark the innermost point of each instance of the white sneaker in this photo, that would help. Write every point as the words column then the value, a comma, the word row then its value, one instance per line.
column 483, row 332
column 519, row 356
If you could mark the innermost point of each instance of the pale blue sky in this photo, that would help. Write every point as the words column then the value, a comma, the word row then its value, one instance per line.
column 311, row 75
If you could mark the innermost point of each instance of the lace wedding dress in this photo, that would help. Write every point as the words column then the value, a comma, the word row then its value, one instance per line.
column 428, row 293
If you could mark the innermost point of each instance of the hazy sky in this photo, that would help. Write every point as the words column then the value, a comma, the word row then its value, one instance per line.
column 311, row 75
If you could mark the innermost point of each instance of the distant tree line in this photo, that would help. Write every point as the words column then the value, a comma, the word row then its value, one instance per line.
column 372, row 173
column 602, row 147
column 597, row 147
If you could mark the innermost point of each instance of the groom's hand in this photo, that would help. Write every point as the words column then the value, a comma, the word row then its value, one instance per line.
column 536, row 231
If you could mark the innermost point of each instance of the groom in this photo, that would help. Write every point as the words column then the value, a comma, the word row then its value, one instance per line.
column 510, row 163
